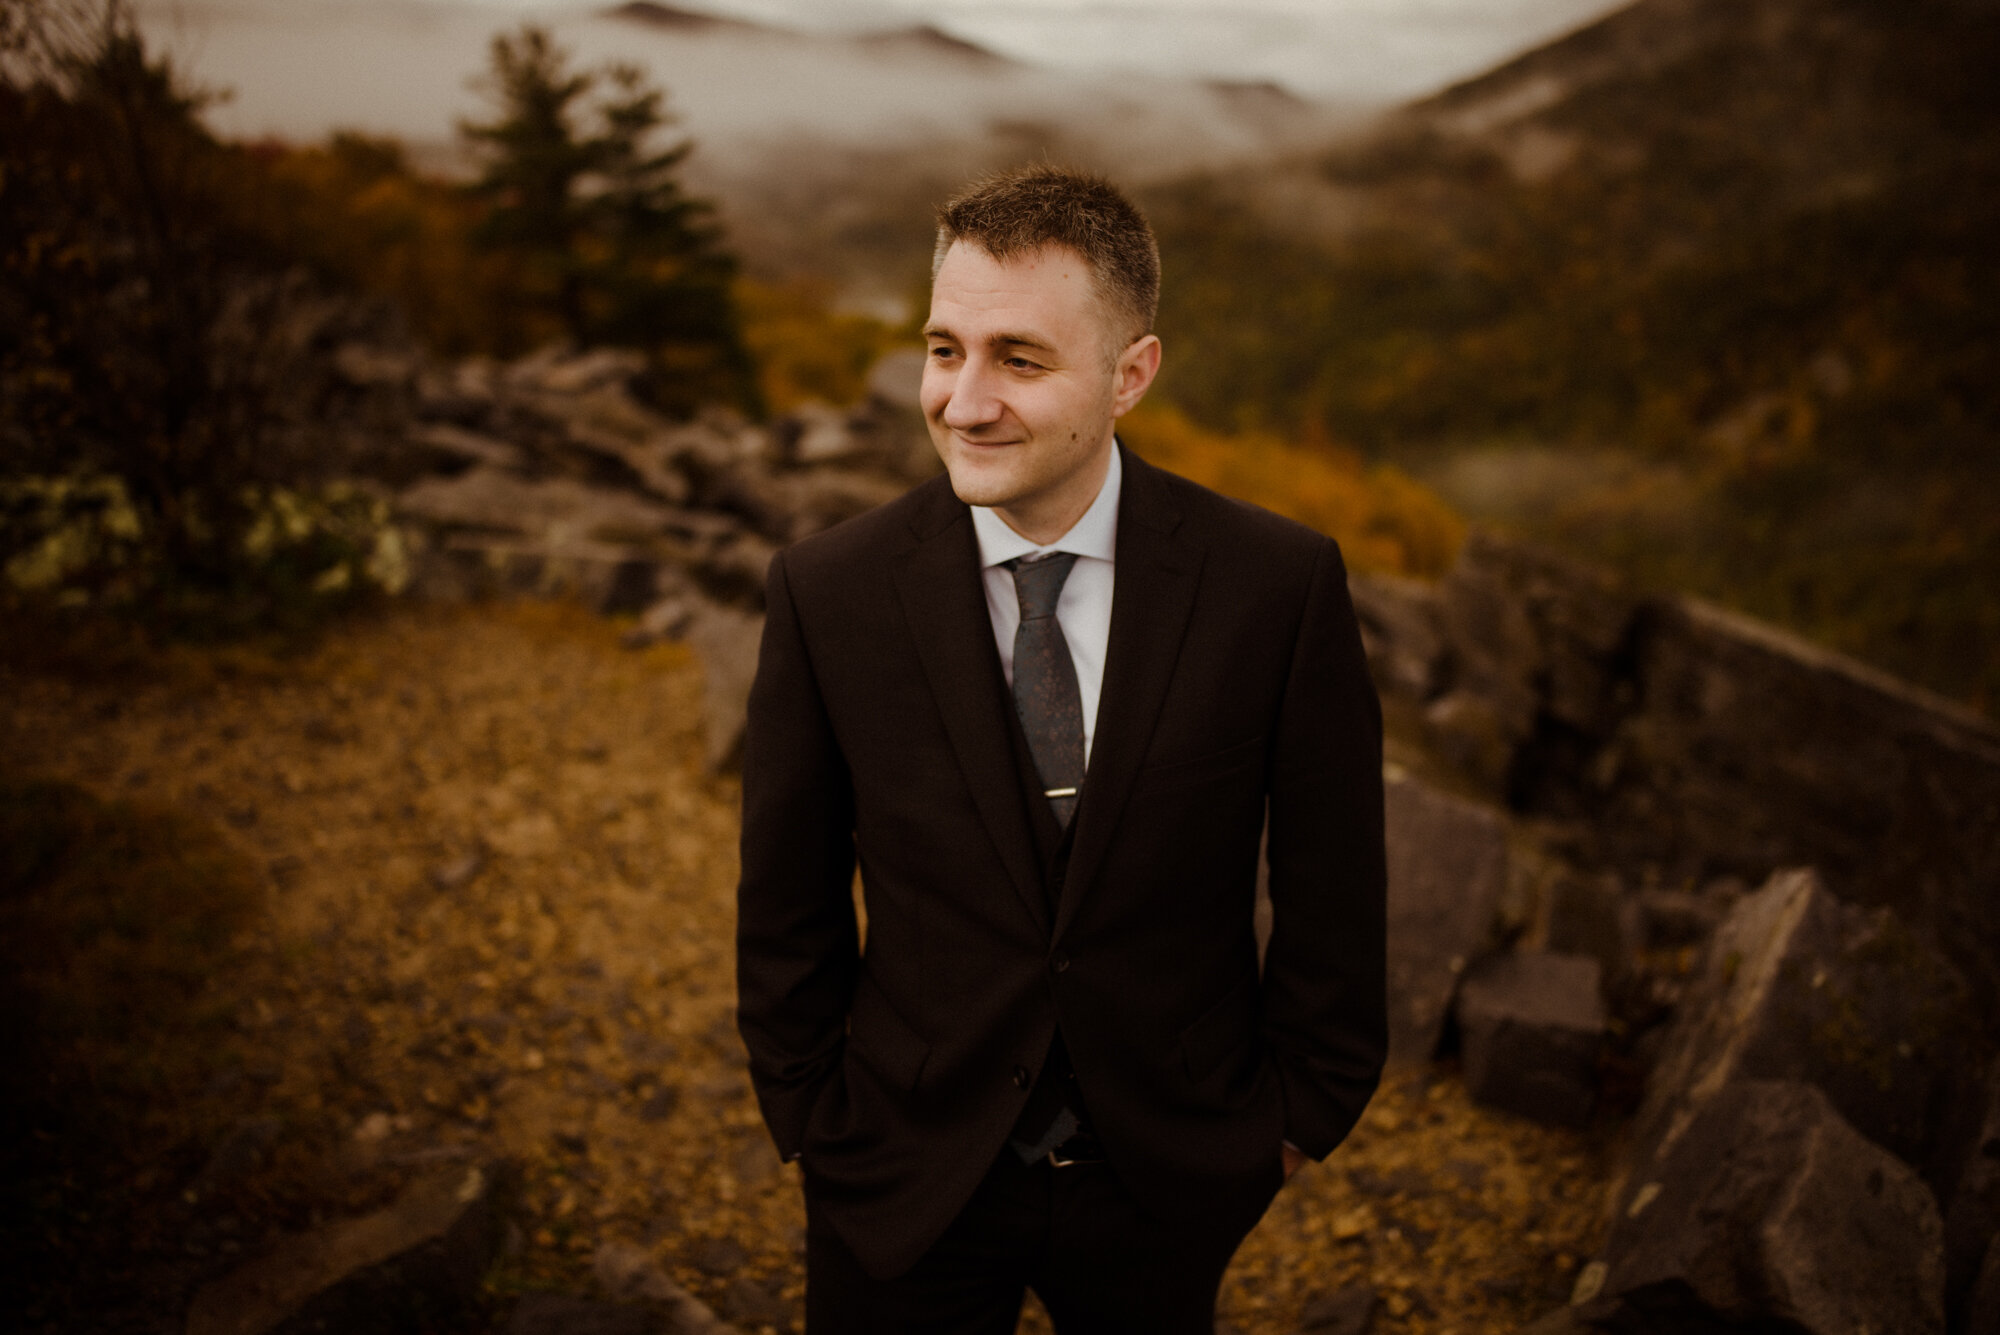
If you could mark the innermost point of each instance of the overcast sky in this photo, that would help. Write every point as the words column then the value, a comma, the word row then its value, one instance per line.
column 1347, row 50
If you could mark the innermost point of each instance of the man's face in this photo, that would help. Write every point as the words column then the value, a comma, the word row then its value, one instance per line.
column 1021, row 387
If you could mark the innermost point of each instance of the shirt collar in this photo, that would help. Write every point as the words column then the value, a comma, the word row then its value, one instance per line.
column 1095, row 535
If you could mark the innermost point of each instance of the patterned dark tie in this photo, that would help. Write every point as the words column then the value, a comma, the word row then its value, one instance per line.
column 1045, row 692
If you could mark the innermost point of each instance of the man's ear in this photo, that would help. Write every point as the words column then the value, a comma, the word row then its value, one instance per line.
column 1133, row 374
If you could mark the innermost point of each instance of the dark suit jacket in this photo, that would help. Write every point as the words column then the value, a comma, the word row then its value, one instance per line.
column 881, row 729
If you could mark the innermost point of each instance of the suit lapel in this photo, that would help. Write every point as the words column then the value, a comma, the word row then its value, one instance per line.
column 1151, row 601
column 945, row 605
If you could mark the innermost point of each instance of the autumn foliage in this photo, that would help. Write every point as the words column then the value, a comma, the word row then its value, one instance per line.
column 1755, row 273
column 167, row 301
column 1386, row 522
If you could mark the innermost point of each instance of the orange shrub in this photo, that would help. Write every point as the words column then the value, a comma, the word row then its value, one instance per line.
column 803, row 347
column 356, row 208
column 1385, row 521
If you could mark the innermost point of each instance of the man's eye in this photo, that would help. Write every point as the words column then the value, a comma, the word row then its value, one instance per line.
column 941, row 352
column 1022, row 364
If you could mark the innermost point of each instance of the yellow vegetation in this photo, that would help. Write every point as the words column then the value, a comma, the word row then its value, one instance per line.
column 804, row 348
column 1385, row 521
column 355, row 208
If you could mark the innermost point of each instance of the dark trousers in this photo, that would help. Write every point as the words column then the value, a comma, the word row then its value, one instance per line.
column 1099, row 1263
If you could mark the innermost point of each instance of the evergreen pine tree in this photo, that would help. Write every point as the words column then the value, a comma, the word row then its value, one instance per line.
column 591, row 210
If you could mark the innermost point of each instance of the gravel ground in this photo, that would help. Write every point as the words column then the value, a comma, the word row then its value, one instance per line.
column 496, row 919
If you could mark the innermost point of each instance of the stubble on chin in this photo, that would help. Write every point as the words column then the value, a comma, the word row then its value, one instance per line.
column 979, row 492
column 975, row 485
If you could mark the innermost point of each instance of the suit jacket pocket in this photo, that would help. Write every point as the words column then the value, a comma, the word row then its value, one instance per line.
column 883, row 1039
column 1200, row 769
column 1223, row 1029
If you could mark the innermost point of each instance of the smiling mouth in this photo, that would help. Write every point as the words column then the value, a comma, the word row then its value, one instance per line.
column 975, row 442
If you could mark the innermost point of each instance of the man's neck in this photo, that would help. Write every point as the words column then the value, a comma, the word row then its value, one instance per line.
column 1094, row 534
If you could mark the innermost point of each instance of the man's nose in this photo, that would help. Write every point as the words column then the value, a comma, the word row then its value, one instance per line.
column 973, row 402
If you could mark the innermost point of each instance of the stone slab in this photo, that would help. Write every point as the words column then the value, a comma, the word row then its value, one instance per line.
column 416, row 1261
column 1771, row 1212
column 1530, row 1028
column 1447, row 870
column 1799, row 986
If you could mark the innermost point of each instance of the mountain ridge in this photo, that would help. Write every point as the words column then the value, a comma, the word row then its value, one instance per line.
column 1706, row 289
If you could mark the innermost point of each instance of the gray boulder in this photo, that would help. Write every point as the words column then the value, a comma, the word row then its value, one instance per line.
column 1530, row 1027
column 727, row 640
column 1798, row 986
column 1693, row 742
column 796, row 504
column 629, row 440
column 416, row 1262
column 1400, row 632
column 556, row 368
column 1447, row 869
column 1771, row 1212
column 1495, row 653
column 487, row 499
column 1533, row 644
column 455, row 449
column 455, row 567
column 1345, row 1311
column 490, row 532
column 1590, row 915
column 627, row 1271
column 817, row 433
column 1750, row 748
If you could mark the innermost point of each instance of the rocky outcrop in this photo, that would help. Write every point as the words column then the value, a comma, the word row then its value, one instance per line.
column 727, row 639
column 1799, row 986
column 1447, row 869
column 1816, row 1102
column 550, row 476
column 1677, row 743
column 1771, row 1212
column 411, row 1266
column 628, row 1272
column 1654, row 758
column 1530, row 1026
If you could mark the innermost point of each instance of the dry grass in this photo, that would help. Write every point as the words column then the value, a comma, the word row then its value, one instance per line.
column 451, row 883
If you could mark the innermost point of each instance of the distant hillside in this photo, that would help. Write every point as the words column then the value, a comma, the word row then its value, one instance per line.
column 926, row 39
column 1707, row 287
column 675, row 19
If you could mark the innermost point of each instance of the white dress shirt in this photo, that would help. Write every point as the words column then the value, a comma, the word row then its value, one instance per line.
column 1084, row 611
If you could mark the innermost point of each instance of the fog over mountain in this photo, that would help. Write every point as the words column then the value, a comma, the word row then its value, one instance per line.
column 300, row 67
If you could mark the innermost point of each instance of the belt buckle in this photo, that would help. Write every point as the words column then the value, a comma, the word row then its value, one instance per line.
column 1070, row 1153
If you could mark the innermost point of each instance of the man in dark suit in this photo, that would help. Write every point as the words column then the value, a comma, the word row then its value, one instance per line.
column 1047, row 704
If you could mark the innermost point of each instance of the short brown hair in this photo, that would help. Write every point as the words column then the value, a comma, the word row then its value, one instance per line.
column 1020, row 211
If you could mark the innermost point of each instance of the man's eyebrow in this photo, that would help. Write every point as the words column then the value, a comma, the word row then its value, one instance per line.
column 999, row 340
column 1022, row 341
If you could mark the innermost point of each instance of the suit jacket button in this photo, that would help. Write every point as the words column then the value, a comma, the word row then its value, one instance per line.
column 1022, row 1077
column 1060, row 964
